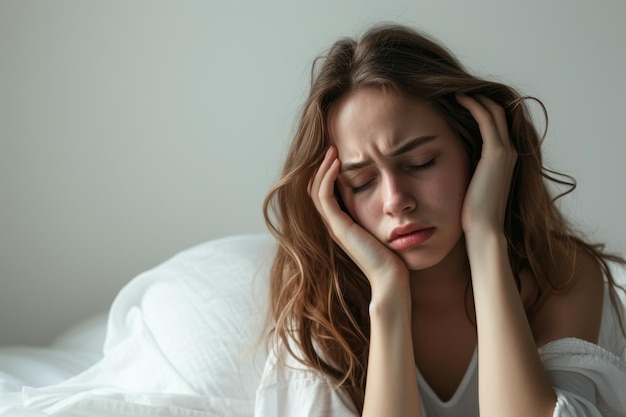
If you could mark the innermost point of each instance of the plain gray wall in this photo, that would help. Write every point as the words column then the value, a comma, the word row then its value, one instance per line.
column 132, row 130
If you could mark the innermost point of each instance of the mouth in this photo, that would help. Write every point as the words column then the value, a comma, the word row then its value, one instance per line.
column 406, row 237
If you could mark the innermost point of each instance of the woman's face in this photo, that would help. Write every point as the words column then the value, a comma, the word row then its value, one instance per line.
column 404, row 173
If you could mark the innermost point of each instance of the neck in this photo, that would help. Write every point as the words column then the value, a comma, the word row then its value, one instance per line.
column 442, row 284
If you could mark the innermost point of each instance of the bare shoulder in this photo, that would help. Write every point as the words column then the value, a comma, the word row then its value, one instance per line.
column 575, row 312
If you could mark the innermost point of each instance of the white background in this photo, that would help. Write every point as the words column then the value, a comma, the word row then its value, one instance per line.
column 132, row 130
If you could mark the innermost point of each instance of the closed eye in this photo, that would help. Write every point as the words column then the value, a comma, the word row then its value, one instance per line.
column 359, row 188
column 410, row 168
column 421, row 166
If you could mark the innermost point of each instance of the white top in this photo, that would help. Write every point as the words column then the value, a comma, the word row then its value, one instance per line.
column 589, row 380
column 462, row 403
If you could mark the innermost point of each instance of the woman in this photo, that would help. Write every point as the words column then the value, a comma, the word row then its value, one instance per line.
column 422, row 267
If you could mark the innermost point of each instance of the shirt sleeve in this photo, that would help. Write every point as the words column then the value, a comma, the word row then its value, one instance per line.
column 589, row 381
column 302, row 397
column 289, row 389
column 576, row 394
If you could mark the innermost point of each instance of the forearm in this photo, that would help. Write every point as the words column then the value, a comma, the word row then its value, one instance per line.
column 391, row 377
column 512, row 380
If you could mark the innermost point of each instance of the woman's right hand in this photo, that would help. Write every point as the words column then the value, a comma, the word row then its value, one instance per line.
column 391, row 383
column 384, row 269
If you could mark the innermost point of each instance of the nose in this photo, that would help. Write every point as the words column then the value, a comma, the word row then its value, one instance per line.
column 397, row 196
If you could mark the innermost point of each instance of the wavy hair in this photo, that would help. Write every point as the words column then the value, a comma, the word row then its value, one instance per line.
column 319, row 297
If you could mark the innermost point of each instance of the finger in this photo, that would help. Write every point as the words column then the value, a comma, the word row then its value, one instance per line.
column 322, row 191
column 326, row 191
column 499, row 118
column 314, row 183
column 486, row 122
column 338, row 223
column 364, row 249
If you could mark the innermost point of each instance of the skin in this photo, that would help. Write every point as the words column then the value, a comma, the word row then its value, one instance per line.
column 411, row 169
column 417, row 290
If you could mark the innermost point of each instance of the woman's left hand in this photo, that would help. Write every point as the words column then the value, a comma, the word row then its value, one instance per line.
column 484, row 208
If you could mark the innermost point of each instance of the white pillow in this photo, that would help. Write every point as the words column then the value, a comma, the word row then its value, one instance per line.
column 205, row 310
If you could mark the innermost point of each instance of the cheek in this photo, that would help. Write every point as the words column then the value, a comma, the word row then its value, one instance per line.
column 449, row 192
column 363, row 211
column 459, row 181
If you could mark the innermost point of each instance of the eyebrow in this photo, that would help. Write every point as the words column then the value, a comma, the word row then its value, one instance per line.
column 403, row 148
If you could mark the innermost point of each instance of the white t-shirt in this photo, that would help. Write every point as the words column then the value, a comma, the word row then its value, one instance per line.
column 589, row 380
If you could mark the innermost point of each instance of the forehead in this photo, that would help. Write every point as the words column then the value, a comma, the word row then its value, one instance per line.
column 372, row 120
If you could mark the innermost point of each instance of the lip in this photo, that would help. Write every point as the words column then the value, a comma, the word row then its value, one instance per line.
column 408, row 236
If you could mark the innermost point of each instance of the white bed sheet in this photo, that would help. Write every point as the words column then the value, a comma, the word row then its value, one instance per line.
column 181, row 341
column 69, row 354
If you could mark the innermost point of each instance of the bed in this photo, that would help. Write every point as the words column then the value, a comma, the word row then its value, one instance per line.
column 183, row 339
column 70, row 353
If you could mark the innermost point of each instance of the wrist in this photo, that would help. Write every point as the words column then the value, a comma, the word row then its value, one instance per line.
column 390, row 305
column 487, row 254
column 485, row 243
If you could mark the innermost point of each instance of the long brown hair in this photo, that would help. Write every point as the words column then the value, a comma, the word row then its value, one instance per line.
column 319, row 297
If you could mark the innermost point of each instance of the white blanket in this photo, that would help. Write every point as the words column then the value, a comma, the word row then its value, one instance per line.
column 69, row 353
column 182, row 340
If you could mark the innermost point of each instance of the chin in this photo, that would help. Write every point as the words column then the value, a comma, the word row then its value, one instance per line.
column 424, row 258
column 423, row 262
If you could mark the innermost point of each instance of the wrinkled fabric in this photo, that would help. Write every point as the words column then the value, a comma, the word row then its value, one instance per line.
column 589, row 379
column 182, row 341
column 603, row 368
column 288, row 389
